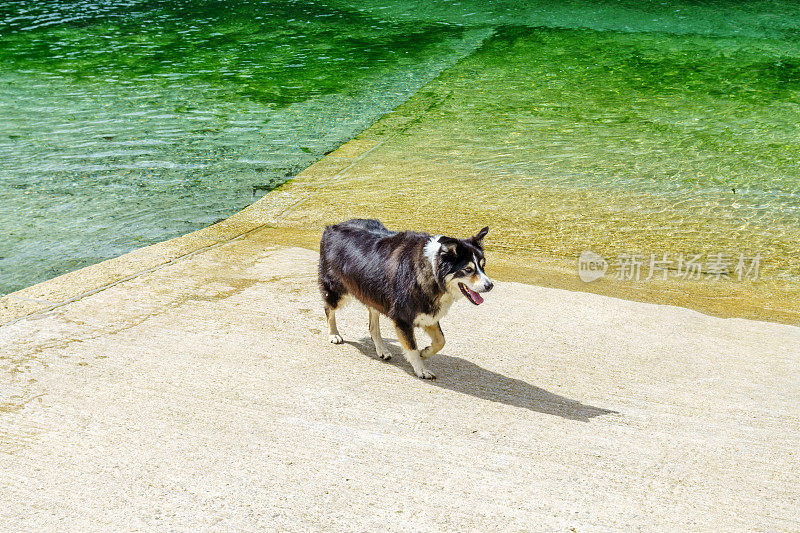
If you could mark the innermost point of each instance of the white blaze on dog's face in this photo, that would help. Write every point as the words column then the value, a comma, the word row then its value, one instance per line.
column 470, row 280
column 461, row 262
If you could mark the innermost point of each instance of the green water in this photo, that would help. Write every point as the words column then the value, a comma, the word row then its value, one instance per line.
column 671, row 116
column 618, row 142
column 126, row 124
column 122, row 125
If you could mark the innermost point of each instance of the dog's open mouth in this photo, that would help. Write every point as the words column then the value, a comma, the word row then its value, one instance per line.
column 471, row 295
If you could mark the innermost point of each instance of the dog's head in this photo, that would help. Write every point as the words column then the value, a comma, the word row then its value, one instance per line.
column 459, row 265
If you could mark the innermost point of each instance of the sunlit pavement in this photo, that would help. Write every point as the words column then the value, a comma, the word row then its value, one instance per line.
column 203, row 394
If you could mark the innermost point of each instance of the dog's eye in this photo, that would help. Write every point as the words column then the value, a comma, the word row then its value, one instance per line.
column 469, row 270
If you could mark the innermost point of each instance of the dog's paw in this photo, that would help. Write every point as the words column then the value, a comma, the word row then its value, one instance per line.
column 385, row 356
column 424, row 373
column 426, row 352
column 335, row 339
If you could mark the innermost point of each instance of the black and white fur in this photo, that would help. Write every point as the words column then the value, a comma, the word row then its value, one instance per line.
column 412, row 278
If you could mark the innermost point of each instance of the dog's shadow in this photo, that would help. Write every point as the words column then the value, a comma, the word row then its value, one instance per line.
column 462, row 376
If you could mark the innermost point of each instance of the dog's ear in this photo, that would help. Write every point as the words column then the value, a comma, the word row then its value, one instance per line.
column 448, row 248
column 478, row 237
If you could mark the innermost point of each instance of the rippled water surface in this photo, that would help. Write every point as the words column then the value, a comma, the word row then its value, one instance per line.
column 124, row 124
column 638, row 127
column 695, row 138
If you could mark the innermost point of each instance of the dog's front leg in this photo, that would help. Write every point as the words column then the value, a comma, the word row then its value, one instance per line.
column 405, row 334
column 437, row 341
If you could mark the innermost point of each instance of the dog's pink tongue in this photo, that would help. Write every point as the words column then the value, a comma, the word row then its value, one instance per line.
column 475, row 296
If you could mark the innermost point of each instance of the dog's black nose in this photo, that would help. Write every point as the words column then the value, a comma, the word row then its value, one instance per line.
column 489, row 286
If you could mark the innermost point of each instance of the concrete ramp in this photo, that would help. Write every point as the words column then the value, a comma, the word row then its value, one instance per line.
column 202, row 395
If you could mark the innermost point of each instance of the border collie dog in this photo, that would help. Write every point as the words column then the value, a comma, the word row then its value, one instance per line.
column 412, row 278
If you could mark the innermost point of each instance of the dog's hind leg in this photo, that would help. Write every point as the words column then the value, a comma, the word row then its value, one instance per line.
column 437, row 341
column 375, row 333
column 333, row 331
column 333, row 300
column 405, row 334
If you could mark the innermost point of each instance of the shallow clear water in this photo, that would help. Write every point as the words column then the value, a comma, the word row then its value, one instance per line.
column 625, row 126
column 696, row 138
column 122, row 125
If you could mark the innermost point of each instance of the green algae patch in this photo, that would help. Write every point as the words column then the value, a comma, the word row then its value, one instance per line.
column 273, row 53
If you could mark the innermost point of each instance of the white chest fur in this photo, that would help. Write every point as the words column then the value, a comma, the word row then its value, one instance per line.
column 445, row 302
